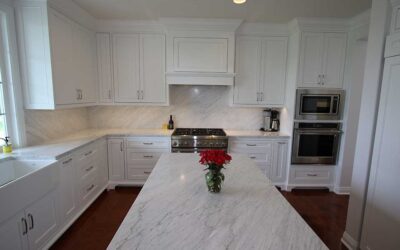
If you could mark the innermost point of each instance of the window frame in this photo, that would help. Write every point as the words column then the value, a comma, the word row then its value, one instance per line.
column 12, row 91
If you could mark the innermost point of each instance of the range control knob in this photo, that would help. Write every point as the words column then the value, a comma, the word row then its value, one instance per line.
column 174, row 143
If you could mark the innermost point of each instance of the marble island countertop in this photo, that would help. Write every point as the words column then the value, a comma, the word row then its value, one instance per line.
column 174, row 210
column 56, row 149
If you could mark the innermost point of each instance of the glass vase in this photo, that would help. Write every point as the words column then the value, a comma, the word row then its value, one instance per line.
column 214, row 179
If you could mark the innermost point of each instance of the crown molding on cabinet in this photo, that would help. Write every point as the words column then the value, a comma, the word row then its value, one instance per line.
column 263, row 29
column 201, row 24
column 122, row 26
column 74, row 12
column 319, row 25
column 360, row 20
column 395, row 2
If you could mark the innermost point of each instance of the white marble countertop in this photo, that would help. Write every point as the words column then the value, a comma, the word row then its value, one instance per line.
column 61, row 147
column 174, row 210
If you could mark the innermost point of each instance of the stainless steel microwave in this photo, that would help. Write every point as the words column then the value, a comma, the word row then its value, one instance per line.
column 319, row 104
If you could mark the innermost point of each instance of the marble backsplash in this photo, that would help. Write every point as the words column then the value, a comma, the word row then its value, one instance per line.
column 44, row 125
column 191, row 106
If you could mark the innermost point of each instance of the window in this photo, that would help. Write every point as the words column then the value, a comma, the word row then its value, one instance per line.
column 11, row 106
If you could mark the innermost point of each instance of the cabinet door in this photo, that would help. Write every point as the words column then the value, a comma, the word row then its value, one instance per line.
column 278, row 169
column 273, row 70
column 104, row 67
column 126, row 67
column 152, row 70
column 311, row 58
column 67, row 198
column 13, row 233
column 381, row 221
column 334, row 60
column 42, row 221
column 102, row 163
column 248, row 58
column 62, row 51
column 116, row 159
column 84, row 63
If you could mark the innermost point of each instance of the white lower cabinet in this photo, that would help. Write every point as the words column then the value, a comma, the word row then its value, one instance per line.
column 132, row 159
column 13, row 233
column 116, row 159
column 32, row 227
column 68, row 206
column 311, row 176
column 270, row 155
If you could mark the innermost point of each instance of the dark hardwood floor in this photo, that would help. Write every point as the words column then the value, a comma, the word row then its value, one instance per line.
column 325, row 212
column 98, row 224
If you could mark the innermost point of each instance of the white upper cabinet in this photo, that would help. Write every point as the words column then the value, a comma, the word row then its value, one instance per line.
column 152, row 70
column 260, row 71
column 104, row 67
column 57, row 58
column 139, row 68
column 126, row 51
column 247, row 81
column 322, row 60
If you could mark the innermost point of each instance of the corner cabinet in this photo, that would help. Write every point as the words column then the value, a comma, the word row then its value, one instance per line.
column 139, row 68
column 269, row 154
column 58, row 58
column 261, row 64
column 322, row 60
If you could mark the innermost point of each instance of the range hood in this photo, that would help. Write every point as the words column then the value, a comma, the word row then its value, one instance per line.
column 200, row 51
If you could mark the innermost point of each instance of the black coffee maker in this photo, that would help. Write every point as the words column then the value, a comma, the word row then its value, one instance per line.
column 275, row 124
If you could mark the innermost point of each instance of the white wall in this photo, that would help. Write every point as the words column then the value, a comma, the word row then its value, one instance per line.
column 367, row 121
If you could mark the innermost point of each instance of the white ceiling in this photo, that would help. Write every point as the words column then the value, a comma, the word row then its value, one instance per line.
column 253, row 10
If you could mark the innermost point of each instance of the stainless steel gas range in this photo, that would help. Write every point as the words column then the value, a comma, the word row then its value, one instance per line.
column 194, row 140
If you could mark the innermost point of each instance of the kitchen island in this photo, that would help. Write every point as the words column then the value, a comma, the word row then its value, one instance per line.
column 174, row 210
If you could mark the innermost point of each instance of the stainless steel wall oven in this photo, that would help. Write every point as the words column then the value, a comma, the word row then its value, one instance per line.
column 315, row 143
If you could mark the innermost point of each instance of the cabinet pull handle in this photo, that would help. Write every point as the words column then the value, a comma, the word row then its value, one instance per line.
column 142, row 94
column 281, row 142
column 147, row 143
column 89, row 153
column 109, row 94
column 323, row 80
column 258, row 96
column 147, row 156
column 121, row 145
column 262, row 96
column 251, row 145
column 312, row 175
column 138, row 95
column 89, row 168
column 67, row 161
column 25, row 226
column 32, row 225
column 81, row 94
column 147, row 172
column 319, row 79
column 253, row 157
column 90, row 188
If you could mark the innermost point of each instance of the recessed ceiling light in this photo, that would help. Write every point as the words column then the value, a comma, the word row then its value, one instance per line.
column 239, row 1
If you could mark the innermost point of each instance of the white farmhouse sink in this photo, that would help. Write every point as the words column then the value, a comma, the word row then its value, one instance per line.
column 23, row 182
column 13, row 169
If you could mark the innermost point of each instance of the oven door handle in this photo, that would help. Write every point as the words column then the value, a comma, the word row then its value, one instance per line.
column 318, row 132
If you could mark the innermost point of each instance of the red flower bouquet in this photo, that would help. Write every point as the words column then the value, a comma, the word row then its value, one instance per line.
column 215, row 161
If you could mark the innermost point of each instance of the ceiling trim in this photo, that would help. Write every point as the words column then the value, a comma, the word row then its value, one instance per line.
column 201, row 24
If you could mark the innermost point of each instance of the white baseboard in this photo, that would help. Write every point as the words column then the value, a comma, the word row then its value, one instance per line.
column 349, row 242
column 342, row 190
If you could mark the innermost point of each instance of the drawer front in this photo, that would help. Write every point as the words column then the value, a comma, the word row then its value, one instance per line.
column 142, row 158
column 148, row 142
column 303, row 176
column 87, row 169
column 88, row 188
column 251, row 147
column 142, row 173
